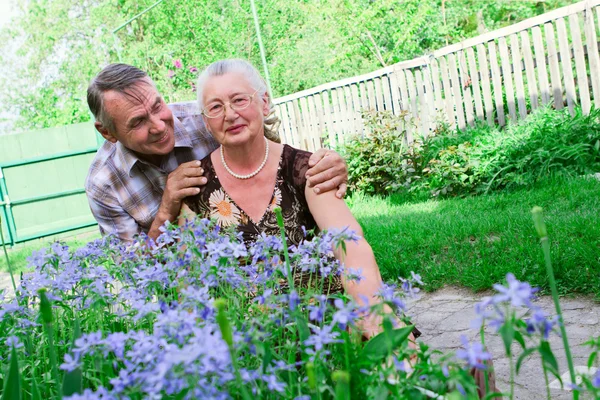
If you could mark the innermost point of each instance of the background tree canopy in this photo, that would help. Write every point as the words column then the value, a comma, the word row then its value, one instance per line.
column 52, row 48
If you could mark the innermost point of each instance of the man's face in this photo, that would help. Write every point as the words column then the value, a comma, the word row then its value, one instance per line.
column 142, row 121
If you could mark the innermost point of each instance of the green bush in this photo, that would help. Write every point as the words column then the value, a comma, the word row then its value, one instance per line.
column 380, row 161
column 475, row 160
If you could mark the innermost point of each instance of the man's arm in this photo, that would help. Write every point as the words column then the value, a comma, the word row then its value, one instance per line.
column 181, row 183
column 328, row 171
column 111, row 217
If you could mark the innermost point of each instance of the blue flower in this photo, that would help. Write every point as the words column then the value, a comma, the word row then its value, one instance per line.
column 473, row 354
column 345, row 315
column 517, row 293
column 321, row 337
column 13, row 341
column 596, row 380
column 539, row 323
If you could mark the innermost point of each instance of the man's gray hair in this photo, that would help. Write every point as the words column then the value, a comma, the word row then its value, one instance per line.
column 243, row 67
column 117, row 77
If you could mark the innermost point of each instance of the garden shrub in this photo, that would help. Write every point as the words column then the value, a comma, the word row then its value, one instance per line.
column 476, row 159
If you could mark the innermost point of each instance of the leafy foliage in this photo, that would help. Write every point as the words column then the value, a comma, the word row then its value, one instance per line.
column 476, row 160
column 53, row 48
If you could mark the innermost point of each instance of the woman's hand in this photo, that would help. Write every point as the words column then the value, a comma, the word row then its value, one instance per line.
column 327, row 171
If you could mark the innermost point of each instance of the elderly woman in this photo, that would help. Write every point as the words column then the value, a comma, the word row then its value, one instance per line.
column 251, row 173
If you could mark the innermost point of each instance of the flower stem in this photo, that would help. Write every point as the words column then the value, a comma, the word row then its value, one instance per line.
column 46, row 313
column 286, row 253
column 512, row 376
column 540, row 226
column 487, row 381
column 547, row 383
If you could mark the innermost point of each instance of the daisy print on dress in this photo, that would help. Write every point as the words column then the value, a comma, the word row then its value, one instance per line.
column 222, row 209
column 276, row 202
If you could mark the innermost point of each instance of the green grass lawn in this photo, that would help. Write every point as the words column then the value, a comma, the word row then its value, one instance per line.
column 19, row 254
column 472, row 242
column 475, row 241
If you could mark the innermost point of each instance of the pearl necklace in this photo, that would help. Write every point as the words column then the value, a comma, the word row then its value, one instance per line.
column 260, row 167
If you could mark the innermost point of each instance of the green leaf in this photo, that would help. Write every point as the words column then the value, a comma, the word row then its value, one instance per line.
column 507, row 332
column 520, row 340
column 522, row 357
column 303, row 330
column 73, row 380
column 592, row 358
column 548, row 358
column 12, row 388
column 35, row 391
column 384, row 344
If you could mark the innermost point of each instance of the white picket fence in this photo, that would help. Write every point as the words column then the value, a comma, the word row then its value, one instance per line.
column 498, row 76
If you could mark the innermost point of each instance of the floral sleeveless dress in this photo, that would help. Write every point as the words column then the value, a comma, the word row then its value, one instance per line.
column 213, row 202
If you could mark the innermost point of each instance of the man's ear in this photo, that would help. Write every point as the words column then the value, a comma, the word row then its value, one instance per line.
column 104, row 132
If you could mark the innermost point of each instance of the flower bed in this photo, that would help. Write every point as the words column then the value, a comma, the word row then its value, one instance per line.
column 200, row 315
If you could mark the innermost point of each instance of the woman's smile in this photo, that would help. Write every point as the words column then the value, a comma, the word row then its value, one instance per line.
column 235, row 128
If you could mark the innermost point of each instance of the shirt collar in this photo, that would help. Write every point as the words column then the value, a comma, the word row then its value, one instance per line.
column 128, row 158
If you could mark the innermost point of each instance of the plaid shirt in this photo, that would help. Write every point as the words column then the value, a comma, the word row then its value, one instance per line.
column 125, row 192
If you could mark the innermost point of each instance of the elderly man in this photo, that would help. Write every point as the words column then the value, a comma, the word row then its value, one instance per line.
column 150, row 160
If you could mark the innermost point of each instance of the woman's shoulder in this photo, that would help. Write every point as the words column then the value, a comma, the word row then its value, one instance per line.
column 296, row 164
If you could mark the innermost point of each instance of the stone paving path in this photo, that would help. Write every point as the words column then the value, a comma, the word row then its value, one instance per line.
column 445, row 315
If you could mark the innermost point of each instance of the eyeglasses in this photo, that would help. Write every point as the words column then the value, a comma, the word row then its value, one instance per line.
column 240, row 102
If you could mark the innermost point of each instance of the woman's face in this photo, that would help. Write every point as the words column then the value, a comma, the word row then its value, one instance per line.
column 234, row 128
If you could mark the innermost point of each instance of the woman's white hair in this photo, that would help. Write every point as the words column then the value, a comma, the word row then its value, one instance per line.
column 234, row 65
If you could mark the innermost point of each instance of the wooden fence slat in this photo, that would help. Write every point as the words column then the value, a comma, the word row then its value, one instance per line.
column 304, row 117
column 295, row 119
column 328, row 119
column 412, row 98
column 395, row 90
column 474, row 74
column 321, row 118
column 465, row 84
column 284, row 127
column 364, row 99
column 447, row 92
column 540, row 60
column 337, row 120
column 371, row 94
column 404, row 101
column 529, row 70
column 507, row 78
column 343, row 115
column 386, row 89
column 554, row 67
column 306, row 124
column 422, row 101
column 379, row 94
column 485, row 84
column 455, row 83
column 314, row 138
column 592, row 48
column 517, row 63
column 350, row 108
column 582, row 81
column 497, row 82
column 357, row 108
column 437, row 88
column 429, row 100
column 315, row 132
column 567, row 67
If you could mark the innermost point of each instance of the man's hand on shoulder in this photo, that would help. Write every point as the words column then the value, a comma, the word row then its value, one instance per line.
column 181, row 183
column 327, row 171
